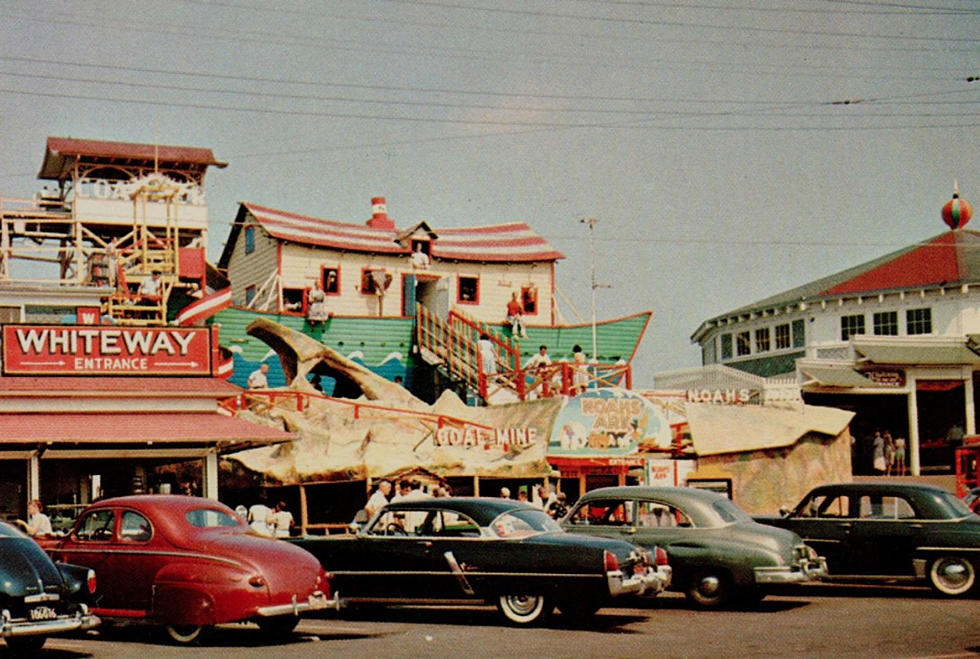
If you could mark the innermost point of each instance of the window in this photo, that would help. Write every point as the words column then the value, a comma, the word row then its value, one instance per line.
column 249, row 295
column 799, row 333
column 249, row 239
column 208, row 518
column 850, row 326
column 423, row 246
column 918, row 321
column 743, row 343
column 605, row 512
column 468, row 290
column 330, row 281
column 294, row 299
column 782, row 336
column 885, row 323
column 529, row 300
column 762, row 339
column 884, row 507
column 374, row 281
column 96, row 526
column 826, row 506
column 651, row 514
column 708, row 354
column 135, row 527
column 726, row 346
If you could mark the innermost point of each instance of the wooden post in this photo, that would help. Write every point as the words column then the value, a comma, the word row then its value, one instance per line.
column 304, row 517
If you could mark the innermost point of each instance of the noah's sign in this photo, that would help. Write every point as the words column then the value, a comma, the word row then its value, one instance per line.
column 105, row 350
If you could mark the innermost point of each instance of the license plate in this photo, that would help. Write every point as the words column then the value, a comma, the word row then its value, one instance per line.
column 42, row 613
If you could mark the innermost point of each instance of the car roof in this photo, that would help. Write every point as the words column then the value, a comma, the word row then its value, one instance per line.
column 482, row 510
column 654, row 492
column 888, row 486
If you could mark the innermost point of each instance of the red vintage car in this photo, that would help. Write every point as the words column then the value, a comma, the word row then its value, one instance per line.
column 188, row 563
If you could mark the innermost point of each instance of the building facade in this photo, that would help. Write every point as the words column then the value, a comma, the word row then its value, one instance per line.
column 894, row 340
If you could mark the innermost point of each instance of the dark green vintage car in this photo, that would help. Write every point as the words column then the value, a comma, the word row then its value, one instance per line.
column 719, row 555
column 511, row 554
column 40, row 598
column 890, row 532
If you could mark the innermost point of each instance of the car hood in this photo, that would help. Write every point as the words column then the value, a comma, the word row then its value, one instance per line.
column 25, row 568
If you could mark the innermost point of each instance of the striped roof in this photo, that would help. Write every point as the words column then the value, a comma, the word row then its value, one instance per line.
column 513, row 242
column 949, row 259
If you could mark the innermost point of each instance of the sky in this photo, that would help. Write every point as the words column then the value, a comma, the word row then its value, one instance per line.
column 729, row 149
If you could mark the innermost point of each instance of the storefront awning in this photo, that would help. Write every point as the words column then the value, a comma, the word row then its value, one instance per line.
column 830, row 376
column 149, row 429
column 924, row 351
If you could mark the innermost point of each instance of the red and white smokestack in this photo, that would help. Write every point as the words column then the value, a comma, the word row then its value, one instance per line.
column 379, row 214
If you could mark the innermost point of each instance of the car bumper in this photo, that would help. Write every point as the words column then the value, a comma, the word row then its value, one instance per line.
column 649, row 582
column 805, row 569
column 315, row 602
column 13, row 628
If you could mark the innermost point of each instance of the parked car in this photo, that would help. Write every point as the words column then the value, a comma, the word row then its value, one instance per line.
column 496, row 550
column 719, row 555
column 188, row 563
column 972, row 499
column 890, row 531
column 39, row 598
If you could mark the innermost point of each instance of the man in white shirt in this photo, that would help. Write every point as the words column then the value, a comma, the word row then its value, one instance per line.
column 258, row 380
column 378, row 499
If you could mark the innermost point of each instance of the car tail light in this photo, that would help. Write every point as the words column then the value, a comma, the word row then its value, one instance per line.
column 610, row 561
column 90, row 581
column 659, row 556
column 256, row 581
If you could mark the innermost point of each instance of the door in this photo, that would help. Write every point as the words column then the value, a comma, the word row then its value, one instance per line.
column 825, row 523
column 884, row 535
column 409, row 283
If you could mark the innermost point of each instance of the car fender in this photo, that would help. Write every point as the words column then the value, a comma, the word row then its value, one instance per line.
column 182, row 604
column 737, row 559
column 75, row 578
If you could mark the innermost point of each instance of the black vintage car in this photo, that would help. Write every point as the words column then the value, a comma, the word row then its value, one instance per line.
column 890, row 531
column 495, row 550
column 39, row 598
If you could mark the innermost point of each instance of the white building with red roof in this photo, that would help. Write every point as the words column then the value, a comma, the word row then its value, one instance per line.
column 274, row 258
column 896, row 339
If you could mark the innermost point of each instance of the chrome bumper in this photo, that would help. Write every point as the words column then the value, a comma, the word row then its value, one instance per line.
column 804, row 569
column 315, row 602
column 651, row 581
column 11, row 627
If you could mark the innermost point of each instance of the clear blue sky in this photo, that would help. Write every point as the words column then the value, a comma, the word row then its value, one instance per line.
column 731, row 149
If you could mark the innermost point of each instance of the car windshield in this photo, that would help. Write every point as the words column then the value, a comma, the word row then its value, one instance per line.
column 522, row 523
column 210, row 518
column 956, row 506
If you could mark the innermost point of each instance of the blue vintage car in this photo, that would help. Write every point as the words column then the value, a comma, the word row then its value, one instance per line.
column 459, row 549
column 719, row 555
column 39, row 598
column 890, row 532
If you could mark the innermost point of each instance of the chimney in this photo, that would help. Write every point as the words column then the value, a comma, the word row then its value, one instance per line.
column 379, row 214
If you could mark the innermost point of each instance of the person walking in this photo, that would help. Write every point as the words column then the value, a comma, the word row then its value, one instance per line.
column 515, row 316
column 281, row 521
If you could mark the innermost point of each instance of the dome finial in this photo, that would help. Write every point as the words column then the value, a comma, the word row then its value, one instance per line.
column 956, row 212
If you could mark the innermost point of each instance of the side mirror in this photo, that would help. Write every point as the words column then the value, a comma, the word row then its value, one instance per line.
column 784, row 511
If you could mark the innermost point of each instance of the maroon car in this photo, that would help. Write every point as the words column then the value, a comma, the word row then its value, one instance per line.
column 188, row 563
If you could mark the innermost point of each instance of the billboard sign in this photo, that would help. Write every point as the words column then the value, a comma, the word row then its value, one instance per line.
column 105, row 350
